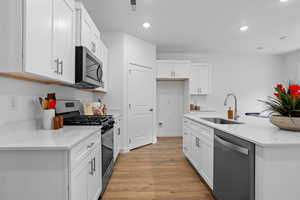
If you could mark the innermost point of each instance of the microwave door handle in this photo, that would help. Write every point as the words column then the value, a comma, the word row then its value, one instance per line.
column 99, row 78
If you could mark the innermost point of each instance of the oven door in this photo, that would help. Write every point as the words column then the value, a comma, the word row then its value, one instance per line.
column 107, row 149
column 89, row 72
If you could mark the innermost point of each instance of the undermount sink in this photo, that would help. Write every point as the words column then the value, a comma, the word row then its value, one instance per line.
column 221, row 121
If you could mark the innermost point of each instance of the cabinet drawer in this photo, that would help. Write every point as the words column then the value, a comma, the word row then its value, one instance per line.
column 202, row 129
column 82, row 150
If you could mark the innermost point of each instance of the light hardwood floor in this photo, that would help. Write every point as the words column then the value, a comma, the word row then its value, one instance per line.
column 156, row 172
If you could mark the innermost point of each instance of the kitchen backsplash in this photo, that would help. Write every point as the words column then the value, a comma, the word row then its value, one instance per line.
column 19, row 99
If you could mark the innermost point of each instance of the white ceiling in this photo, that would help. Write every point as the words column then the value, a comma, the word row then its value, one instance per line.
column 205, row 25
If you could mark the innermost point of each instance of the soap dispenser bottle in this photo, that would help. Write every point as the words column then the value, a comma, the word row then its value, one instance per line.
column 230, row 113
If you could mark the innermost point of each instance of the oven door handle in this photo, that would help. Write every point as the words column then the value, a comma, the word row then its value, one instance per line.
column 232, row 146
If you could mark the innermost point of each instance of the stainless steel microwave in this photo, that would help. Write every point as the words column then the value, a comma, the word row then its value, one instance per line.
column 88, row 69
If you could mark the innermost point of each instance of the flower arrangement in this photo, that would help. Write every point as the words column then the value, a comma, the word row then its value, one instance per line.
column 285, row 102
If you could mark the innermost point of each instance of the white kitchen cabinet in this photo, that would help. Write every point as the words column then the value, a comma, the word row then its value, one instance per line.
column 38, row 35
column 173, row 69
column 117, row 137
column 87, row 33
column 200, row 82
column 64, row 38
column 198, row 139
column 79, row 185
column 86, row 169
column 62, row 172
column 41, row 38
column 95, row 175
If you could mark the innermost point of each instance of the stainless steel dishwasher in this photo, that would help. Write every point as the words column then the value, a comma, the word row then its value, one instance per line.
column 234, row 168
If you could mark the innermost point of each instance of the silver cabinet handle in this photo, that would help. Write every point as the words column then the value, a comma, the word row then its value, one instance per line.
column 151, row 110
column 61, row 64
column 94, row 164
column 232, row 146
column 119, row 131
column 57, row 65
column 91, row 167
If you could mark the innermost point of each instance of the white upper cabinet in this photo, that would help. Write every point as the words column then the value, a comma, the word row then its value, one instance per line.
column 173, row 69
column 38, row 38
column 200, row 82
column 64, row 39
column 87, row 33
column 41, row 38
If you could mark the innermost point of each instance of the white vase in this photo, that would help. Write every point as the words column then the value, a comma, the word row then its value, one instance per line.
column 48, row 116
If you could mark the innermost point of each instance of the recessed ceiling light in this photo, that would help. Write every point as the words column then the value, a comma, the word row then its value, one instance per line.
column 146, row 25
column 260, row 48
column 244, row 28
column 283, row 1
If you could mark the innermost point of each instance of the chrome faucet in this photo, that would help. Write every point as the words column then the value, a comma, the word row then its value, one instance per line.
column 236, row 116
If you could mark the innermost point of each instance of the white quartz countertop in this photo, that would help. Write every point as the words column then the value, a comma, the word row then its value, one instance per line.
column 256, row 130
column 32, row 139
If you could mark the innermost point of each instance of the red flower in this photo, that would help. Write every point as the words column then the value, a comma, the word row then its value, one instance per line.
column 295, row 91
column 280, row 88
column 277, row 95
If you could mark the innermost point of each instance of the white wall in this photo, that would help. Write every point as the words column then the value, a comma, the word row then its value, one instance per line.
column 19, row 99
column 250, row 77
column 292, row 66
column 170, row 106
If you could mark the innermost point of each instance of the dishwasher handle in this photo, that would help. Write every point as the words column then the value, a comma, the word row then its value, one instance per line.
column 232, row 146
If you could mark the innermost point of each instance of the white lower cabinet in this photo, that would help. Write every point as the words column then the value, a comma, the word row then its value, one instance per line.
column 86, row 183
column 198, row 148
column 53, row 174
column 79, row 185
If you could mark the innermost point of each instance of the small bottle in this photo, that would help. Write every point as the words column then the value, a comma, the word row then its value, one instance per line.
column 230, row 113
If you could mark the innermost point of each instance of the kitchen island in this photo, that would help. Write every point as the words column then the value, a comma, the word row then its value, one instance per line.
column 277, row 160
column 60, row 164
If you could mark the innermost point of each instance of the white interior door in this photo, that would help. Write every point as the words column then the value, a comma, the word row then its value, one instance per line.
column 140, row 100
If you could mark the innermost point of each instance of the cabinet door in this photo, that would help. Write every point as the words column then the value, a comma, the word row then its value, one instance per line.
column 90, row 35
column 97, row 45
column 200, row 79
column 165, row 70
column 64, row 38
column 38, row 38
column 79, row 182
column 194, row 157
column 206, row 152
column 95, row 174
column 182, row 70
